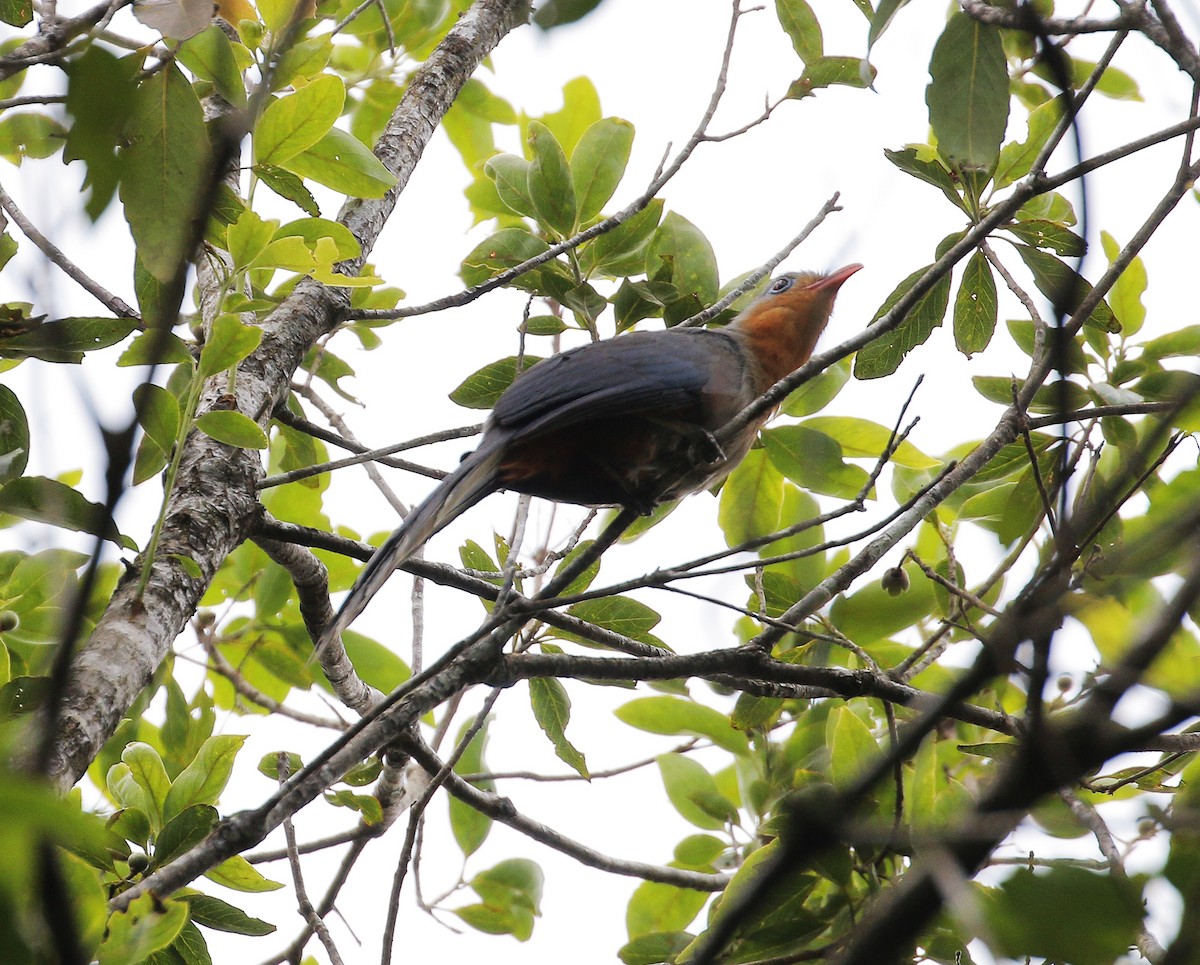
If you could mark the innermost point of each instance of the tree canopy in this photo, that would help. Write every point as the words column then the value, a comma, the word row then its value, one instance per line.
column 892, row 695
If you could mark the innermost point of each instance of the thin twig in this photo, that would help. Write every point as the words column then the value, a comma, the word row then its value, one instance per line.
column 55, row 255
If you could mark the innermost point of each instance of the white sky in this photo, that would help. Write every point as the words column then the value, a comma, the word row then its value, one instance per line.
column 653, row 63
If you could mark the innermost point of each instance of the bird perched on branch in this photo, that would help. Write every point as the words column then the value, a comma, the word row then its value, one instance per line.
column 629, row 421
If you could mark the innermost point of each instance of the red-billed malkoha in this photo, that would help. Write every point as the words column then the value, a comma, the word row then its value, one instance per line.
column 628, row 421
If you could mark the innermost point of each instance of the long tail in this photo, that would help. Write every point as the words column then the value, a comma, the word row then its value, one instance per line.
column 474, row 478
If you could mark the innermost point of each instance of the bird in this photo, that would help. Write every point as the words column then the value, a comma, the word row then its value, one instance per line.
column 627, row 421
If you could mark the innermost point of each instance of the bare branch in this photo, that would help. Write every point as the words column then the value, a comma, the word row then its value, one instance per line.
column 502, row 810
column 52, row 252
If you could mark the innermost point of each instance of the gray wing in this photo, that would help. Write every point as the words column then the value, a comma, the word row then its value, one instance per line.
column 661, row 371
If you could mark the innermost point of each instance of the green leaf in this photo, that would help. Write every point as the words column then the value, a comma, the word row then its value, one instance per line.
column 511, row 177
column 304, row 58
column 862, row 438
column 598, row 164
column 268, row 765
column 552, row 710
column 852, row 746
column 232, row 429
column 818, row 392
column 800, row 23
column 203, row 780
column 14, row 436
column 1181, row 342
column 156, row 347
column 975, row 306
column 29, row 135
column 1024, row 336
column 148, row 924
column 276, row 13
column 147, row 770
column 496, row 921
column 752, row 712
column 802, row 573
column 968, row 93
column 1050, row 206
column 1125, row 297
column 751, row 499
column 101, row 92
column 228, row 342
column 127, row 792
column 50, row 501
column 881, row 17
column 470, row 827
column 366, row 805
column 240, row 875
column 214, row 913
column 288, row 185
column 1048, row 234
column 699, row 850
column 884, row 355
column 209, row 55
column 376, row 664
column 8, row 248
column 622, row 251
column 1016, row 159
column 512, row 894
column 297, row 122
column 580, row 110
column 833, row 71
column 555, row 13
column 928, row 169
column 781, row 924
column 16, row 13
column 515, row 883
column 1117, row 84
column 342, row 162
column 1065, row 287
column 245, row 240
column 871, row 613
column 681, row 248
column 694, row 792
column 505, row 249
column 67, row 339
column 23, row 695
column 550, row 187
column 1008, row 510
column 545, row 325
column 655, row 907
column 189, row 947
column 312, row 231
column 481, row 389
column 158, row 414
column 813, row 460
column 182, row 833
column 1065, row 914
column 620, row 614
column 998, row 389
column 679, row 715
column 654, row 948
column 166, row 169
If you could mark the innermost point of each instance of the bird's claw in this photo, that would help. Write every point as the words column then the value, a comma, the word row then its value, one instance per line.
column 708, row 451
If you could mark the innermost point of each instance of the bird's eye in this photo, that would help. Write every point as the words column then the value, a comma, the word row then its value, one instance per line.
column 780, row 285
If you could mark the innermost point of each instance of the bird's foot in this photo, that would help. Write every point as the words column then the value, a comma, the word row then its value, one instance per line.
column 707, row 450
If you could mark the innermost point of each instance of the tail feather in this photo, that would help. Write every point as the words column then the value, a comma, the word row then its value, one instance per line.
column 470, row 482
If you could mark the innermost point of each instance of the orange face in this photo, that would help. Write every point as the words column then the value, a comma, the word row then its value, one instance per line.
column 782, row 327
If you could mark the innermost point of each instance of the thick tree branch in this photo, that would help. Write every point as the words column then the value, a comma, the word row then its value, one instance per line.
column 214, row 506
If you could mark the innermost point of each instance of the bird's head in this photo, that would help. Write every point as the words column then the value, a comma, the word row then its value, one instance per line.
column 804, row 292
column 783, row 324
